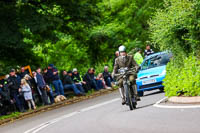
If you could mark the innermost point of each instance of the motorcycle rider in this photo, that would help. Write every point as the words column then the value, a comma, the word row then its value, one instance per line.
column 123, row 61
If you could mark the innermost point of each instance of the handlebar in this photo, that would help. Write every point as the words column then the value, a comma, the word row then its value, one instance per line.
column 125, row 71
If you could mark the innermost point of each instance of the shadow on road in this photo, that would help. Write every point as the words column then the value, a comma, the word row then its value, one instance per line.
column 141, row 107
column 145, row 106
column 158, row 92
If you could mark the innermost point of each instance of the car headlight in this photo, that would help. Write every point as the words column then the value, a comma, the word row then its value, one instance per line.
column 163, row 73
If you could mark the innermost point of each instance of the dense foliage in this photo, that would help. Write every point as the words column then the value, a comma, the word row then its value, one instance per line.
column 177, row 28
column 183, row 80
column 71, row 33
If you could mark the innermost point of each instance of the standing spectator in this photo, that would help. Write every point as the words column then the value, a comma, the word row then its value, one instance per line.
column 28, row 80
column 69, row 84
column 107, row 76
column 48, row 82
column 19, row 78
column 148, row 51
column 138, row 57
column 52, row 75
column 14, row 87
column 26, row 89
column 78, row 80
column 116, row 55
column 38, row 91
column 31, row 81
column 6, row 103
column 41, row 85
column 22, row 73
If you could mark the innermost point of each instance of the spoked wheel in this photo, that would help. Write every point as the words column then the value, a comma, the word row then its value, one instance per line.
column 131, row 99
column 134, row 98
column 131, row 105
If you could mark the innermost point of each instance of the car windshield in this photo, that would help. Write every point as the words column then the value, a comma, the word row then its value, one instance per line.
column 155, row 61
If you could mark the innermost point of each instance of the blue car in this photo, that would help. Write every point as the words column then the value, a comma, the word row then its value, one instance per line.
column 152, row 72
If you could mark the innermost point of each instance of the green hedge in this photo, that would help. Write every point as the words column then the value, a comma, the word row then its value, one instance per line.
column 184, row 80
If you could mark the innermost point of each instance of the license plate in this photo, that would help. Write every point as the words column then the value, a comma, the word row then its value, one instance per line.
column 148, row 81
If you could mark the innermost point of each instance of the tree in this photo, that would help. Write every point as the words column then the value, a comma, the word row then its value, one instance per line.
column 71, row 33
column 176, row 28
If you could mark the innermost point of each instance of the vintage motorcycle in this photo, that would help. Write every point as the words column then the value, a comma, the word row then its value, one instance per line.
column 130, row 97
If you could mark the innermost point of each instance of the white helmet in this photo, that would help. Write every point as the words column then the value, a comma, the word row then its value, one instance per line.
column 75, row 70
column 122, row 48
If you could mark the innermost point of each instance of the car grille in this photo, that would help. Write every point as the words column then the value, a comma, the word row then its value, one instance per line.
column 154, row 76
column 143, row 77
column 150, row 85
column 149, row 76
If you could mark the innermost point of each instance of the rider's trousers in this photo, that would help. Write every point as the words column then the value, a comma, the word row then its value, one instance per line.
column 121, row 88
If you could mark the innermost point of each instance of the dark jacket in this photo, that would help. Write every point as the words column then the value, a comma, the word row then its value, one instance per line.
column 22, row 74
column 50, row 76
column 13, row 84
column 4, row 91
column 106, row 75
column 67, row 80
column 18, row 79
column 40, row 81
column 55, row 77
column 47, row 79
column 76, row 78
column 148, row 52
column 33, row 85
column 88, row 77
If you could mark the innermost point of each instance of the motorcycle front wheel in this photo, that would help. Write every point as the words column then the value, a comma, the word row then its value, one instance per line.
column 130, row 99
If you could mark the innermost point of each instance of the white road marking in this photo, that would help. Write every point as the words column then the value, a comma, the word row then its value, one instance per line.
column 99, row 105
column 161, row 100
column 157, row 104
column 46, row 124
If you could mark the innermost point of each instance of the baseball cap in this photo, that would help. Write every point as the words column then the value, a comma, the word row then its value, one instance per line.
column 12, row 70
column 75, row 70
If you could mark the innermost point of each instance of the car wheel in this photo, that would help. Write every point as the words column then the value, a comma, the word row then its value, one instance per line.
column 141, row 93
column 161, row 89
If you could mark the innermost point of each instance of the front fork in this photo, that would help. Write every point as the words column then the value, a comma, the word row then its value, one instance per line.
column 126, row 85
column 129, row 88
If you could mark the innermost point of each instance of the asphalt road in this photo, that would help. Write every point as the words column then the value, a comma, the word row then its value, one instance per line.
column 105, row 114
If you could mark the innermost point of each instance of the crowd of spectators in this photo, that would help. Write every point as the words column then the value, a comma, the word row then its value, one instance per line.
column 22, row 91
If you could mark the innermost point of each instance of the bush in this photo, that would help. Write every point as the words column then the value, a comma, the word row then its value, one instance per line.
column 176, row 27
column 184, row 80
